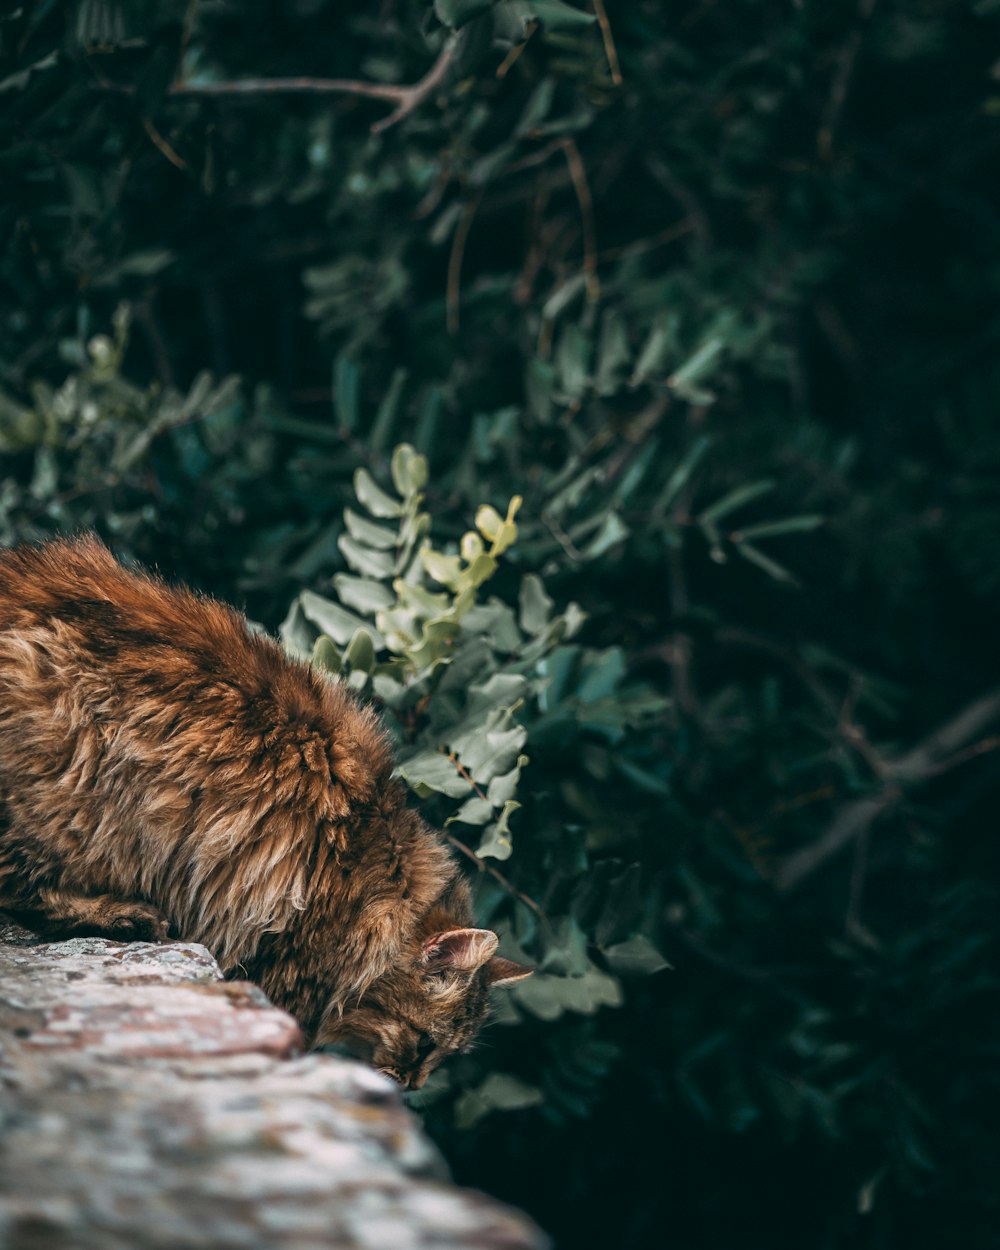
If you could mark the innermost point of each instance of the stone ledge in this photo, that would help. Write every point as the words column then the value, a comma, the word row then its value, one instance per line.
column 148, row 1103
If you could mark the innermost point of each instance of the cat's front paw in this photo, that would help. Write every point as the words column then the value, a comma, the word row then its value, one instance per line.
column 134, row 922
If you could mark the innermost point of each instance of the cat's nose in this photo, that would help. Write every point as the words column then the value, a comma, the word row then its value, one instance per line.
column 416, row 1080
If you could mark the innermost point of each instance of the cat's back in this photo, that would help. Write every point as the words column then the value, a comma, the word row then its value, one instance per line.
column 77, row 587
column 180, row 672
column 151, row 742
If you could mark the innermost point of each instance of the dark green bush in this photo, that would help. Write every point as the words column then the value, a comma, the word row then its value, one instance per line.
column 713, row 291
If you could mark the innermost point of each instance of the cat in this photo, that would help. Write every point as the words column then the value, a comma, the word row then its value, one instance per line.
column 164, row 768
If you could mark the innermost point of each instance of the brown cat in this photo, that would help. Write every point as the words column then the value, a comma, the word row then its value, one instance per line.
column 162, row 766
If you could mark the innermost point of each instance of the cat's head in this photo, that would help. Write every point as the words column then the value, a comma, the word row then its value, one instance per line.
column 432, row 1006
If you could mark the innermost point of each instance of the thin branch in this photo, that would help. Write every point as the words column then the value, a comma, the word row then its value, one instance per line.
column 562, row 538
column 464, row 773
column 578, row 173
column 610, row 50
column 504, row 67
column 853, row 820
column 454, row 287
column 660, row 239
column 407, row 98
column 533, row 158
column 931, row 756
column 982, row 747
column 496, row 874
column 163, row 146
column 481, row 864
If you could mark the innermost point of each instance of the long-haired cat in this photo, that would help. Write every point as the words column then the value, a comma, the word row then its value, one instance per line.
column 164, row 767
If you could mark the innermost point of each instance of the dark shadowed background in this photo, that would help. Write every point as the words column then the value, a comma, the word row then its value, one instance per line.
column 713, row 286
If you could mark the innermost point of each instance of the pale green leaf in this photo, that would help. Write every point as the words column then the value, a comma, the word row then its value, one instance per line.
column 474, row 811
column 486, row 752
column 488, row 521
column 636, row 956
column 557, row 15
column 613, row 530
column 534, row 604
column 360, row 653
column 409, row 470
column 378, row 502
column 364, row 559
column 503, row 787
column 433, row 771
column 368, row 532
column 679, row 478
column 362, row 593
column 771, row 529
column 296, row 634
column 334, row 620
column 734, row 499
column 325, row 655
column 471, row 546
column 499, row 1092
column 496, row 842
column 444, row 569
column 771, row 567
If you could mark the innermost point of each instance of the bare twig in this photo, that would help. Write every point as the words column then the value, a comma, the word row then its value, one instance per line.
column 454, row 288
column 578, row 173
column 660, row 239
column 163, row 146
column 610, row 50
column 504, row 67
column 538, row 236
column 853, row 820
column 464, row 773
column 407, row 98
column 982, row 747
column 562, row 538
column 534, row 158
column 481, row 864
column 931, row 756
column 496, row 874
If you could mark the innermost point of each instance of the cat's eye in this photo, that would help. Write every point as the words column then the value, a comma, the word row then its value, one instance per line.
column 425, row 1046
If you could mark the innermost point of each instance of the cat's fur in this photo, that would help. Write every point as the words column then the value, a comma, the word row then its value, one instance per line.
column 161, row 765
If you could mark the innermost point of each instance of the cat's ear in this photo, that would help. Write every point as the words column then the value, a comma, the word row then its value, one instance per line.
column 500, row 971
column 463, row 950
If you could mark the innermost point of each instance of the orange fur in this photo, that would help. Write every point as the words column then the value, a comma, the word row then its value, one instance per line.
column 161, row 764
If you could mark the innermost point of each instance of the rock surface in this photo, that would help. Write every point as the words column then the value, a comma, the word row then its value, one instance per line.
column 145, row 1102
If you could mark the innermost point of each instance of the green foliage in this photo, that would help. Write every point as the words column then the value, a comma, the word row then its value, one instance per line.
column 455, row 671
column 716, row 298
column 462, row 684
column 97, row 451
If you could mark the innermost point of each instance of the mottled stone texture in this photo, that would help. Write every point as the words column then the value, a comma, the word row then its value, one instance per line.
column 145, row 1102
